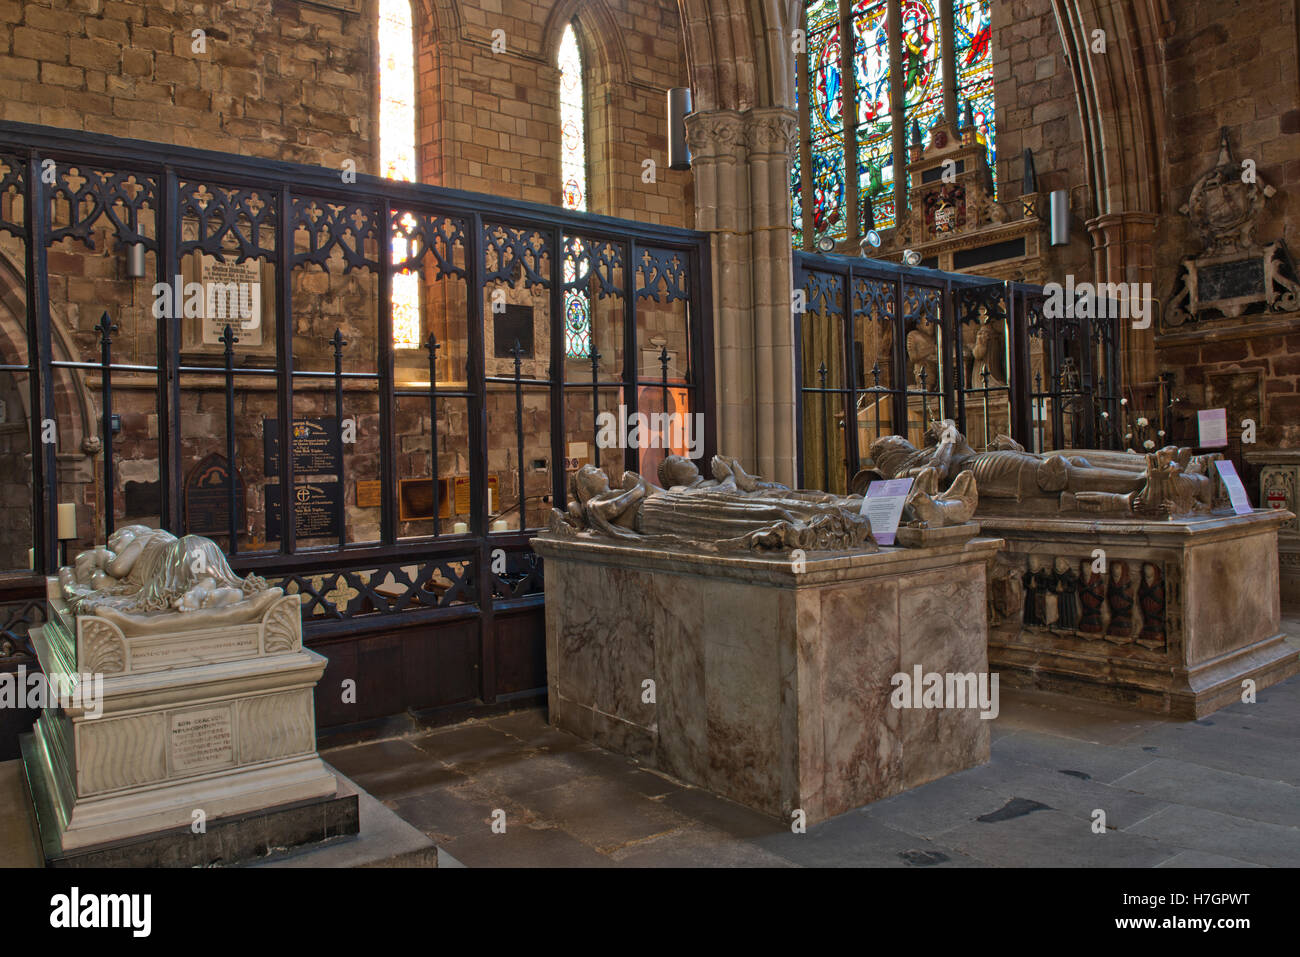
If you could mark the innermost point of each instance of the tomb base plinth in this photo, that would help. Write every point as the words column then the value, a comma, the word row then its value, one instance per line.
column 766, row 680
column 163, row 732
column 1168, row 616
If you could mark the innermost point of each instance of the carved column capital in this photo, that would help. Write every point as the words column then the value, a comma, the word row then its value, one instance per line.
column 773, row 132
column 716, row 134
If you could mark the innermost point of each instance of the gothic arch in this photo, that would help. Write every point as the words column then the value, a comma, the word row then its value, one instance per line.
column 1120, row 95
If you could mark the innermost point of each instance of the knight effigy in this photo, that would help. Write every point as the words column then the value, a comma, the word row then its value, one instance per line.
column 735, row 511
column 1168, row 482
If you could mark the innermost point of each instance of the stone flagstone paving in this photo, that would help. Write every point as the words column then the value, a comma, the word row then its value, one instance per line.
column 1223, row 791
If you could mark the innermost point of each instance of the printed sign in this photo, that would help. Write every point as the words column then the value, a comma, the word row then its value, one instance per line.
column 1236, row 491
column 316, row 447
column 1213, row 425
column 883, row 504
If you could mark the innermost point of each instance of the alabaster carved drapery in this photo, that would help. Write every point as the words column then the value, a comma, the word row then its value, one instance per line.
column 735, row 511
column 147, row 580
column 1170, row 481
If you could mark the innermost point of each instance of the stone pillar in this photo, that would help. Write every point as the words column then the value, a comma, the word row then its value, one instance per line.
column 741, row 163
column 1123, row 251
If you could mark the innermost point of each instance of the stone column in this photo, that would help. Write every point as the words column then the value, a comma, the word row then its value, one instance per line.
column 1123, row 251
column 741, row 163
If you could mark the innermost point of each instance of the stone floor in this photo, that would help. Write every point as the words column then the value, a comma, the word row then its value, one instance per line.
column 1223, row 791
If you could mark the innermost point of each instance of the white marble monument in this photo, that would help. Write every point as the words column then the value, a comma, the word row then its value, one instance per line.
column 206, row 707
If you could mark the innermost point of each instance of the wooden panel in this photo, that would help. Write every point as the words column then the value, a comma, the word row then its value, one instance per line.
column 521, row 649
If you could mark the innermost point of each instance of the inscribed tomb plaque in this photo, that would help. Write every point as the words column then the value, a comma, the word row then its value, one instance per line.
column 207, row 497
column 201, row 739
column 232, row 296
column 369, row 493
column 318, row 507
column 316, row 447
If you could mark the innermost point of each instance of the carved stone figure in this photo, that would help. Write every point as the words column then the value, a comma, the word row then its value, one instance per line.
column 733, row 510
column 1151, row 602
column 1006, row 590
column 147, row 580
column 1035, row 604
column 1092, row 598
column 1067, row 595
column 1119, row 597
column 1168, row 482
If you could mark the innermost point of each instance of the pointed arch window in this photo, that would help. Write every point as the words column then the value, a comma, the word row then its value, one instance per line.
column 573, row 179
column 849, row 151
column 397, row 150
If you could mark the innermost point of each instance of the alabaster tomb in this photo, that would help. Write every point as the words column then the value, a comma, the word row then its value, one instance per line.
column 205, row 711
column 746, row 637
column 1124, row 577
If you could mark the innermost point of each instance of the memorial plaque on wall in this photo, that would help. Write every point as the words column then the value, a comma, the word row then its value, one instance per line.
column 415, row 499
column 143, row 500
column 316, row 447
column 516, row 323
column 318, row 507
column 1233, row 280
column 232, row 297
column 207, row 497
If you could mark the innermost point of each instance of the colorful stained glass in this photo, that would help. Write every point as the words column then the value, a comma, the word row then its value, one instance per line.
column 573, row 131
column 972, row 44
column 796, row 201
column 922, row 66
column 875, row 114
column 397, row 149
column 573, row 175
column 826, row 113
column 577, row 303
column 880, row 99
column 828, row 217
column 825, row 82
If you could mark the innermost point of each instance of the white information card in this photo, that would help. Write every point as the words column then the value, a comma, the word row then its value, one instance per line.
column 883, row 504
column 1236, row 491
column 1213, row 424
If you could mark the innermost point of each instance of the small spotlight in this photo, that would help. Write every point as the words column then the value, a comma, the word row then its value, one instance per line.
column 872, row 239
column 826, row 244
column 911, row 257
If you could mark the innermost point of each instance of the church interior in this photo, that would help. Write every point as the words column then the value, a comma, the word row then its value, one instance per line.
column 627, row 433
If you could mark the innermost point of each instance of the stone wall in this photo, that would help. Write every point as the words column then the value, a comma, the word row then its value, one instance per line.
column 278, row 78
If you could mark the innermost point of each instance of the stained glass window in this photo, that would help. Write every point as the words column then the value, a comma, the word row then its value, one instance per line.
column 826, row 119
column 397, row 149
column 880, row 100
column 973, row 43
column 875, row 114
column 573, row 176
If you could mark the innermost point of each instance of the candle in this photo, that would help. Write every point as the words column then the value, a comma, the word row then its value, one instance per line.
column 500, row 526
column 67, row 520
column 460, row 528
column 31, row 559
column 491, row 501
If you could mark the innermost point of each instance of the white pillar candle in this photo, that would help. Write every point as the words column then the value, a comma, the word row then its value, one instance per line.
column 460, row 528
column 492, row 505
column 500, row 526
column 31, row 559
column 67, row 520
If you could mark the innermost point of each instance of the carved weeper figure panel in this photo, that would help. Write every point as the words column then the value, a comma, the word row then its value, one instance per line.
column 735, row 511
column 1068, row 596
